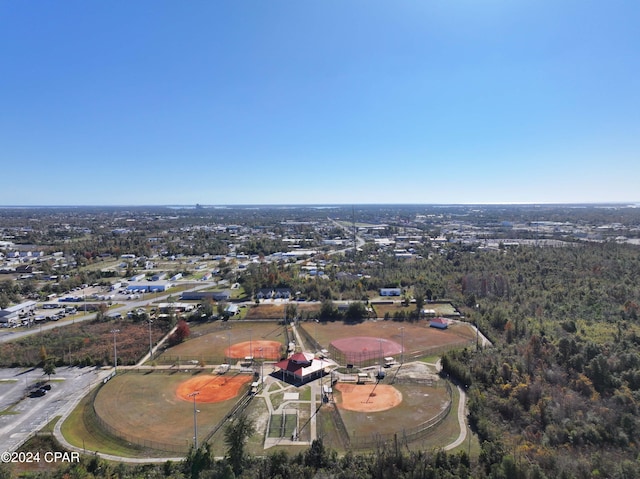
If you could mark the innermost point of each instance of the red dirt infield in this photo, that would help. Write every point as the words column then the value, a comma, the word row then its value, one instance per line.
column 364, row 398
column 212, row 388
column 259, row 349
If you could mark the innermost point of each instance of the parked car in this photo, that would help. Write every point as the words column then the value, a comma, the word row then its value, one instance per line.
column 37, row 393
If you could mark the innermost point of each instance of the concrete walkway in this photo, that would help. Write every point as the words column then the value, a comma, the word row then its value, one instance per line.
column 462, row 423
column 291, row 405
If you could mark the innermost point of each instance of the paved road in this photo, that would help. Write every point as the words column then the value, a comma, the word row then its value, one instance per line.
column 462, row 416
column 359, row 240
column 11, row 335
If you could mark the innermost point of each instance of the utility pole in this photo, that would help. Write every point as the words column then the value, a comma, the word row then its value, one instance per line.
column 195, row 419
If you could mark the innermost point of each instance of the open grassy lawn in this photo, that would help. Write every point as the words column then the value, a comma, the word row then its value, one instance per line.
column 447, row 431
column 382, row 308
column 326, row 428
column 420, row 403
column 135, row 413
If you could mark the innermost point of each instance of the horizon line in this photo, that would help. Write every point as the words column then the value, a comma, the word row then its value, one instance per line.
column 232, row 205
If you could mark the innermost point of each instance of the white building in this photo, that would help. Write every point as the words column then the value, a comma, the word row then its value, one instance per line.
column 390, row 291
column 13, row 314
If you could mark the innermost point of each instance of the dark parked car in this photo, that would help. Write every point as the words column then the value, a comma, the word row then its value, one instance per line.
column 37, row 393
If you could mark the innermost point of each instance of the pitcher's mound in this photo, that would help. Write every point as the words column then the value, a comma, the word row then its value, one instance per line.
column 362, row 397
column 212, row 388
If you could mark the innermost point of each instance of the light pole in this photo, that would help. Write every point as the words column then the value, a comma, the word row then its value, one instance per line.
column 229, row 348
column 261, row 365
column 115, row 350
column 150, row 341
column 402, row 352
column 195, row 420
column 250, row 346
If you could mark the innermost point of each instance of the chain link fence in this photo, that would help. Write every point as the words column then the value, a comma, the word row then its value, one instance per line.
column 403, row 436
column 91, row 417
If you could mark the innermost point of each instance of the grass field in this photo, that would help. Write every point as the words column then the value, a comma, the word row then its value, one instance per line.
column 257, row 412
column 419, row 403
column 81, row 429
column 144, row 409
column 282, row 425
column 382, row 308
column 425, row 398
column 276, row 310
column 417, row 338
column 209, row 341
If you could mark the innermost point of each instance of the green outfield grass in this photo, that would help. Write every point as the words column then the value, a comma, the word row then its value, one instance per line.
column 81, row 429
column 144, row 409
column 419, row 404
column 210, row 340
column 416, row 337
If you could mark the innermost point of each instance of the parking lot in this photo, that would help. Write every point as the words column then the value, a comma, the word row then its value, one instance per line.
column 21, row 415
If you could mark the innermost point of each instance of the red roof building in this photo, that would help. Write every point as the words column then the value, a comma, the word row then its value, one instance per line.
column 300, row 368
column 439, row 323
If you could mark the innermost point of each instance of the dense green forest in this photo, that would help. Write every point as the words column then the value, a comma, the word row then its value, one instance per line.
column 558, row 393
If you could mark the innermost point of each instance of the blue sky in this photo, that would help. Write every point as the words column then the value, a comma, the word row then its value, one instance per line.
column 294, row 102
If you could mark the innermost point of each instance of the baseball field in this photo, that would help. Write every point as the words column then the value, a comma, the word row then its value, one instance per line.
column 155, row 407
column 418, row 339
column 225, row 341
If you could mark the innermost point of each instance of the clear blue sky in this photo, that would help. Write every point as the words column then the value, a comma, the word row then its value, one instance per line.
column 333, row 101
